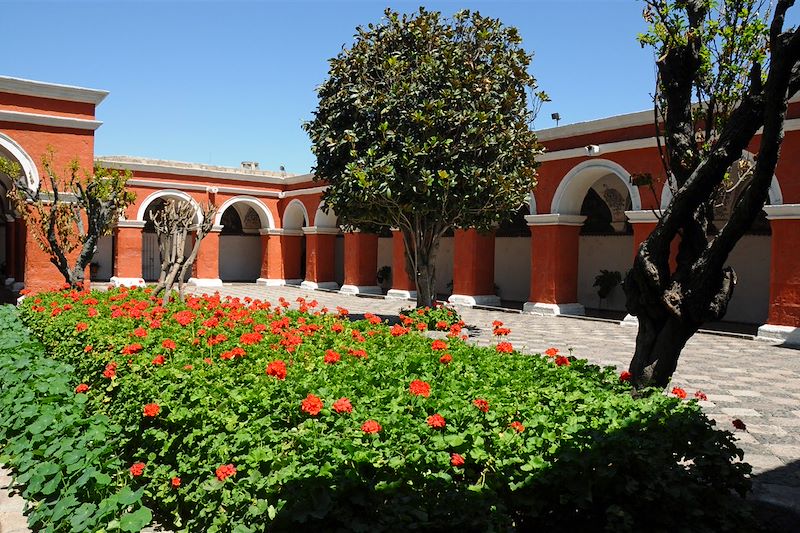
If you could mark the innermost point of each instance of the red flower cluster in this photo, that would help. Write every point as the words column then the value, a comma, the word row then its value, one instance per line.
column 83, row 387
column 420, row 388
column 517, row 426
column 397, row 330
column 140, row 332
column 337, row 327
column 624, row 376
column 436, row 421
column 370, row 426
column 331, row 357
column 562, row 361
column 175, row 482
column 159, row 360
column 151, row 410
column 311, row 405
column 343, row 405
column 223, row 472
column 168, row 344
column 110, row 371
column 251, row 338
column 679, row 392
column 456, row 459
column 277, row 369
column 439, row 344
column 504, row 347
column 81, row 326
column 137, row 469
column 184, row 318
column 132, row 349
column 446, row 359
column 481, row 404
column 700, row 395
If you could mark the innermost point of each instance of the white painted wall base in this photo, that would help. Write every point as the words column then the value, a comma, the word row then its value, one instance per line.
column 205, row 282
column 489, row 300
column 126, row 282
column 397, row 294
column 538, row 308
column 270, row 282
column 630, row 321
column 789, row 335
column 312, row 285
column 360, row 289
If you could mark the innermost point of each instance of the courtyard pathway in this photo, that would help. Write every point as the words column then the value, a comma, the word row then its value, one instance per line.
column 747, row 379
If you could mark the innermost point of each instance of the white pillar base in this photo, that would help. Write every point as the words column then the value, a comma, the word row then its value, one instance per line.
column 398, row 294
column 127, row 282
column 787, row 335
column 271, row 282
column 538, row 308
column 630, row 321
column 205, row 282
column 489, row 300
column 313, row 285
column 360, row 289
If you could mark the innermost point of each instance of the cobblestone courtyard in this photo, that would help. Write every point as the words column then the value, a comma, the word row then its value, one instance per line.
column 754, row 381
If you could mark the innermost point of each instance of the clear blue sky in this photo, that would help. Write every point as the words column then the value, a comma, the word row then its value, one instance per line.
column 223, row 82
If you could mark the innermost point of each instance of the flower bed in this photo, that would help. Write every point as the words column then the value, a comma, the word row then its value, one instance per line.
column 241, row 415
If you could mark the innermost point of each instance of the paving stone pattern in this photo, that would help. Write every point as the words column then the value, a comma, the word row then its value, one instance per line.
column 752, row 380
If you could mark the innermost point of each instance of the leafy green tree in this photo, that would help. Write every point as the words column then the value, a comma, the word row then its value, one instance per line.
column 725, row 70
column 423, row 126
column 69, row 213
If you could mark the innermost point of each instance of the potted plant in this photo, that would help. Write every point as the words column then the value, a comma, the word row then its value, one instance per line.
column 384, row 277
column 606, row 281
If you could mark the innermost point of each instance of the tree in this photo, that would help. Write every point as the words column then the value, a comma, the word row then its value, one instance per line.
column 725, row 70
column 423, row 126
column 71, row 213
column 173, row 224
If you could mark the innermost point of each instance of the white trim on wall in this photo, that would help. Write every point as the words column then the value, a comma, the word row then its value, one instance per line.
column 264, row 214
column 49, row 120
column 302, row 208
column 169, row 193
column 24, row 160
column 55, row 91
column 573, row 186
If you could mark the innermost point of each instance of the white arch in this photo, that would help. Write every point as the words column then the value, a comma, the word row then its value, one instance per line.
column 325, row 220
column 169, row 193
column 264, row 214
column 573, row 187
column 24, row 160
column 295, row 215
column 774, row 192
column 531, row 203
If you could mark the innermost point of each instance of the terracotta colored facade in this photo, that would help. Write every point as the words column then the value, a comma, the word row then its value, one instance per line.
column 280, row 220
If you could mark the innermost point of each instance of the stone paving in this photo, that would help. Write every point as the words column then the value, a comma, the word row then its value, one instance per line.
column 751, row 380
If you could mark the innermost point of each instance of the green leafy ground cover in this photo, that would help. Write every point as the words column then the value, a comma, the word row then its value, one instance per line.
column 228, row 415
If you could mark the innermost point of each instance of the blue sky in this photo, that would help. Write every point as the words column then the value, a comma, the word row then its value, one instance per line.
column 223, row 82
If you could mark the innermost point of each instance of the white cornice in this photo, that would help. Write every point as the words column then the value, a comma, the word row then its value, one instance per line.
column 782, row 212
column 56, row 91
column 555, row 219
column 281, row 232
column 49, row 120
column 158, row 184
column 131, row 224
column 316, row 230
column 647, row 215
column 619, row 146
column 301, row 192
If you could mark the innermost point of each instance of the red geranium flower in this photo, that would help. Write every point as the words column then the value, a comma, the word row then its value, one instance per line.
column 88, row 349
column 551, row 352
column 311, row 405
column 624, row 376
column 175, row 482
column 456, row 460
column 331, row 357
column 151, row 409
column 343, row 405
column 504, row 347
column 110, row 371
column 223, row 472
column 168, row 344
column 497, row 323
column 83, row 387
column 421, row 326
column 81, row 326
column 370, row 426
column 446, row 358
column 277, row 369
column 420, row 388
column 337, row 328
column 517, row 426
column 501, row 331
column 250, row 338
column 441, row 325
column 436, row 421
column 136, row 469
column 159, row 360
column 481, row 404
column 562, row 361
column 679, row 392
column 439, row 344
column 140, row 332
column 132, row 348
column 183, row 317
column 92, row 312
column 700, row 395
column 397, row 330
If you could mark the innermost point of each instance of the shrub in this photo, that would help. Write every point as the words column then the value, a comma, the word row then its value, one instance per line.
column 437, row 318
column 234, row 415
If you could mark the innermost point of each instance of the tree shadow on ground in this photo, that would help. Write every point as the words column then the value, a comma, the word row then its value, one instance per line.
column 776, row 498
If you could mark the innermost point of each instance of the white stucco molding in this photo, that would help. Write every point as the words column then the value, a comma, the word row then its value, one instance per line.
column 302, row 192
column 281, row 232
column 314, row 285
column 139, row 224
column 167, row 194
column 572, row 188
column 316, row 230
column 264, row 214
column 782, row 212
column 538, row 308
column 55, row 91
column 399, row 294
column 605, row 148
column 786, row 335
column 21, row 156
column 643, row 216
column 555, row 219
column 49, row 120
column 216, row 228
column 295, row 215
column 360, row 289
column 488, row 300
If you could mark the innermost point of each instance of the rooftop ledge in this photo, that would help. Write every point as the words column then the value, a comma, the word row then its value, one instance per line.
column 56, row 91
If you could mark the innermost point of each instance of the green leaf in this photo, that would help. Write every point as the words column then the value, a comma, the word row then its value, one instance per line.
column 136, row 520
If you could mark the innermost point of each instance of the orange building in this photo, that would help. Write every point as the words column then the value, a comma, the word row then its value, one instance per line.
column 585, row 217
